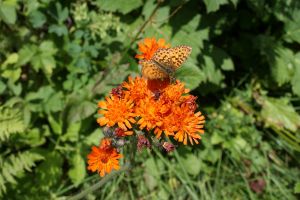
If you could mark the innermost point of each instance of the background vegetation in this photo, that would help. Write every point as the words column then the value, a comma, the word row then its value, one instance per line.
column 58, row 58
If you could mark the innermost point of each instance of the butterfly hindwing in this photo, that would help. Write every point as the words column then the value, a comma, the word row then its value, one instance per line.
column 172, row 57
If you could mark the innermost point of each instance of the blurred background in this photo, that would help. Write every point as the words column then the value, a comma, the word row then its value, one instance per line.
column 59, row 58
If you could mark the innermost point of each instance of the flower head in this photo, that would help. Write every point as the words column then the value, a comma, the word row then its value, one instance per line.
column 185, row 125
column 118, row 111
column 149, row 46
column 136, row 89
column 104, row 158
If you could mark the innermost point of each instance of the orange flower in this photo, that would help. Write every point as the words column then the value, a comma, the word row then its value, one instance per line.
column 184, row 124
column 149, row 47
column 104, row 158
column 136, row 89
column 174, row 92
column 117, row 111
column 151, row 113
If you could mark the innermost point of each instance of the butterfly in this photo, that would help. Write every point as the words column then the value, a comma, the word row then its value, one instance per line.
column 165, row 62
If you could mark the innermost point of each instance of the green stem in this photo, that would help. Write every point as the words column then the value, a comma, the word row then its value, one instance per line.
column 99, row 184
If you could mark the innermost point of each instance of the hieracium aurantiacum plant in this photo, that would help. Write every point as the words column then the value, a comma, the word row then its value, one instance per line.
column 155, row 104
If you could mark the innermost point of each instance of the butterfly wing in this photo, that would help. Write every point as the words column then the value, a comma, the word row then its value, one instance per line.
column 172, row 57
column 150, row 70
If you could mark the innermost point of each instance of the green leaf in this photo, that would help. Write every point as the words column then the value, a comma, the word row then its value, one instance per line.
column 44, row 58
column 78, row 170
column 222, row 59
column 279, row 113
column 119, row 5
column 297, row 188
column 192, row 164
column 211, row 74
column 55, row 125
column 11, row 71
column 11, row 59
column 59, row 30
column 94, row 137
column 37, row 19
column 11, row 122
column 8, row 11
column 214, row 5
column 283, row 66
column 81, row 111
column 292, row 27
column 190, row 74
column 26, row 53
column 296, row 77
column 72, row 132
column 49, row 172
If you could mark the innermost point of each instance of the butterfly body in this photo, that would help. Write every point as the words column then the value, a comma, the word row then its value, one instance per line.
column 165, row 62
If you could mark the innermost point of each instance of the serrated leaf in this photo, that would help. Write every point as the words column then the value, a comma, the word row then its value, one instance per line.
column 37, row 19
column 78, row 170
column 214, row 5
column 296, row 77
column 81, row 111
column 211, row 73
column 190, row 74
column 283, row 66
column 8, row 12
column 292, row 27
column 119, row 5
column 279, row 113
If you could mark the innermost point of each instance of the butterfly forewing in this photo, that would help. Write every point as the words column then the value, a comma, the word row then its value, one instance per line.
column 150, row 70
column 172, row 57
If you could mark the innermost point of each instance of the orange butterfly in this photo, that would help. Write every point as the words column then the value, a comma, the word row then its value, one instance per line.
column 165, row 62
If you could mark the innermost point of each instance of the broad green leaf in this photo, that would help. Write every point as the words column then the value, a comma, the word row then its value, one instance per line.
column 11, row 71
column 221, row 59
column 283, row 66
column 192, row 164
column 37, row 18
column 11, row 59
column 8, row 11
column 2, row 87
column 296, row 77
column 211, row 74
column 81, row 111
column 26, row 53
column 59, row 30
column 278, row 113
column 214, row 5
column 56, row 126
column 190, row 74
column 297, row 188
column 78, row 170
column 292, row 27
column 119, row 5
column 72, row 132
column 191, row 35
column 54, row 103
column 94, row 137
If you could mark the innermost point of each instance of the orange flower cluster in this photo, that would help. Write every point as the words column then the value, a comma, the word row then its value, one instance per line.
column 104, row 158
column 169, row 110
column 154, row 106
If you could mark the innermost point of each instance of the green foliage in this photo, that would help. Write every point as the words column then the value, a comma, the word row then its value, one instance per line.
column 11, row 122
column 58, row 58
